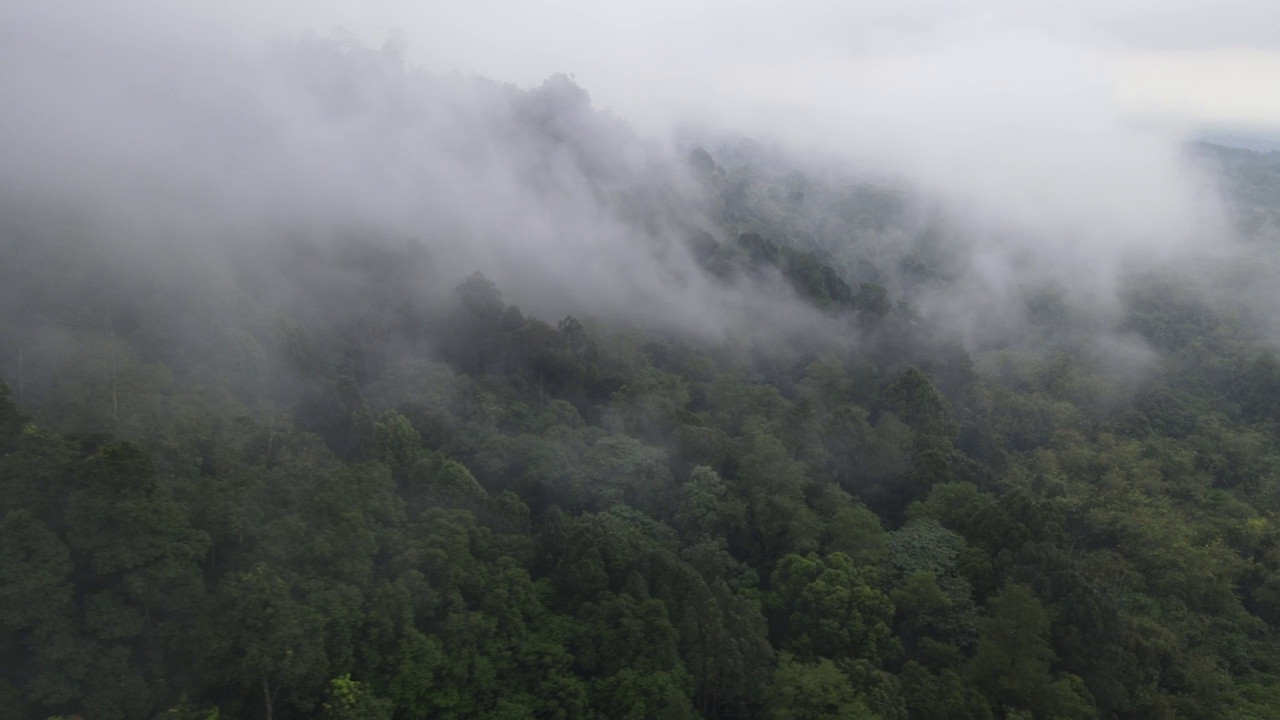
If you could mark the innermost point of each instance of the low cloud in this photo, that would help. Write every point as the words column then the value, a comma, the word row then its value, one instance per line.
column 181, row 129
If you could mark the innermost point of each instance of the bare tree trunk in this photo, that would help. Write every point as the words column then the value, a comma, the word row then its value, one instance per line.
column 20, row 398
column 111, row 354
column 271, row 438
column 267, row 697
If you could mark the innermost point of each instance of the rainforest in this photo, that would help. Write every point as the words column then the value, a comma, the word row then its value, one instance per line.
column 335, row 388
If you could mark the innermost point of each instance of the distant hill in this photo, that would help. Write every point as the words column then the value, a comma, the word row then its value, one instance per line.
column 1258, row 140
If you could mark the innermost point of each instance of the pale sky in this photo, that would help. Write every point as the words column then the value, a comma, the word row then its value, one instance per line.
column 1198, row 61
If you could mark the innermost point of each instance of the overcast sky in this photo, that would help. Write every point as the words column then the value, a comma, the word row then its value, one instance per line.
column 661, row 60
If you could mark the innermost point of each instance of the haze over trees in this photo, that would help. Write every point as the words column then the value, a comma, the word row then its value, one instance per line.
column 338, row 389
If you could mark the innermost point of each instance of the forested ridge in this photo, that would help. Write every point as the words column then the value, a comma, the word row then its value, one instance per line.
column 332, row 480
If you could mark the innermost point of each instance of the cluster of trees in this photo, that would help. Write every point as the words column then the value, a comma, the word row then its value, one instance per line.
column 1253, row 180
column 573, row 521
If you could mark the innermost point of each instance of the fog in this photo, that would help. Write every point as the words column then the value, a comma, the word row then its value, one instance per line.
column 199, row 136
column 167, row 134
column 1017, row 134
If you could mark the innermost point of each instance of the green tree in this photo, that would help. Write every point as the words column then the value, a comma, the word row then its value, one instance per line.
column 828, row 607
column 351, row 700
column 1013, row 664
column 263, row 640
column 812, row 691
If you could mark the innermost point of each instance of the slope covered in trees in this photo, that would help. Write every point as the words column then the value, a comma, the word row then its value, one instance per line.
column 335, row 478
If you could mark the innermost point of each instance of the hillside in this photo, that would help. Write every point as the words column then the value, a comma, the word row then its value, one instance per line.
column 471, row 402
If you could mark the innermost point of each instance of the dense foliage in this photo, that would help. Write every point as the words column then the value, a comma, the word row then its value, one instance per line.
column 417, row 504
